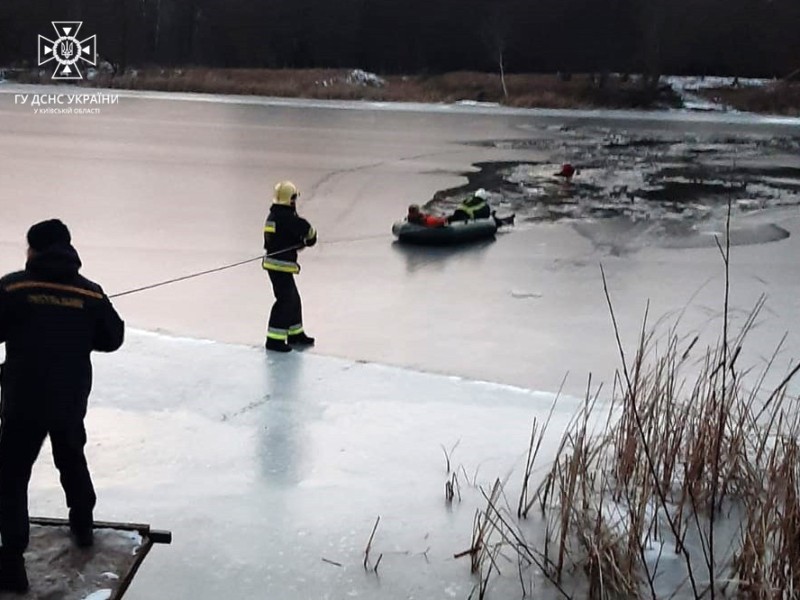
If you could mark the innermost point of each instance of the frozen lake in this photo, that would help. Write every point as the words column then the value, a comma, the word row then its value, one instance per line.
column 263, row 466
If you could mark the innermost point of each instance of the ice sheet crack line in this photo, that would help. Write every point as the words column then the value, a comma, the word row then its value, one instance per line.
column 245, row 409
column 326, row 178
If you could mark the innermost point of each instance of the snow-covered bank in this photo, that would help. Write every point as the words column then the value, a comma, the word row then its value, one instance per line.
column 687, row 88
column 696, row 83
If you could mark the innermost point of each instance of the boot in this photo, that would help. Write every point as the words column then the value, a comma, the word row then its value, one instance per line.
column 82, row 536
column 13, row 577
column 277, row 345
column 82, row 528
column 301, row 339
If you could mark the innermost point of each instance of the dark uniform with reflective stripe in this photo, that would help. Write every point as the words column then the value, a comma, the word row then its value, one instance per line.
column 285, row 232
column 51, row 319
column 471, row 208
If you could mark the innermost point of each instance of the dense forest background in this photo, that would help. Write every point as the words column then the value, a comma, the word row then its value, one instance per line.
column 726, row 37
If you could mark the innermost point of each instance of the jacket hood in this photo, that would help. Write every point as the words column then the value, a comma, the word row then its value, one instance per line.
column 60, row 261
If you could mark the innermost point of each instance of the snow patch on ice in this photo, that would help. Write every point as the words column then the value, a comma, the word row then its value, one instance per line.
column 693, row 102
column 475, row 103
column 525, row 295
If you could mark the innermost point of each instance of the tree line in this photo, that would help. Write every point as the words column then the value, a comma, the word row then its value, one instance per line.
column 732, row 37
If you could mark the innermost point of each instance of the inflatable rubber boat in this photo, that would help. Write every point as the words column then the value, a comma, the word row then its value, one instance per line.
column 458, row 232
column 453, row 233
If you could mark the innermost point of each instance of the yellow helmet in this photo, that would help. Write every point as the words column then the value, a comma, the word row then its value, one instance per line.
column 285, row 193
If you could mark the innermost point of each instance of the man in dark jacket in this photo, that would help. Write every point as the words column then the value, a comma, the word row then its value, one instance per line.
column 51, row 318
column 285, row 233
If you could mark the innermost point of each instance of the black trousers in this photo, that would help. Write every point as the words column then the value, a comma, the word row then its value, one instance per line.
column 286, row 316
column 20, row 443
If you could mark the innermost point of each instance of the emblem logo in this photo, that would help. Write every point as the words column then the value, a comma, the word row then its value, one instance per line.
column 67, row 50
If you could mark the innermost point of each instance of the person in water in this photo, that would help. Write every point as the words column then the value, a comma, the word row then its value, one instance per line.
column 416, row 216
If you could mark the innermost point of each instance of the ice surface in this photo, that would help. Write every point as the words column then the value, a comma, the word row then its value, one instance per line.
column 263, row 466
column 271, row 471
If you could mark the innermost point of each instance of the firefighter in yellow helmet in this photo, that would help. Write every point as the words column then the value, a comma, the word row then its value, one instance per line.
column 285, row 233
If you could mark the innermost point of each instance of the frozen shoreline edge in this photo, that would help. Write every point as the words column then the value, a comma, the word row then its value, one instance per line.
column 671, row 115
column 351, row 363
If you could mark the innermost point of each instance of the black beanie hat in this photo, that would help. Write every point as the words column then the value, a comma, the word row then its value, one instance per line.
column 48, row 233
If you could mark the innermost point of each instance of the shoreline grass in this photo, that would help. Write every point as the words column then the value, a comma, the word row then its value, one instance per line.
column 524, row 90
column 581, row 91
column 686, row 484
column 781, row 98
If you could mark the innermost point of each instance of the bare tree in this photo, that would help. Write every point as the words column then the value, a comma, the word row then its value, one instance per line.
column 495, row 36
column 652, row 16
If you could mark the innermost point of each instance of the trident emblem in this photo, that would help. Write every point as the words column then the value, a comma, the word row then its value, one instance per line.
column 67, row 50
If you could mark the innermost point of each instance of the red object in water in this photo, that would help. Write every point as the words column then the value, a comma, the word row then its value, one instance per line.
column 567, row 171
column 420, row 218
column 432, row 221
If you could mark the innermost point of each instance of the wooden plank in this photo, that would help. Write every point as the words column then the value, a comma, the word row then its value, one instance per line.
column 149, row 537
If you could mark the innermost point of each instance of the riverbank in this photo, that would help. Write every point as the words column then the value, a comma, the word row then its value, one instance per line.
column 780, row 98
column 584, row 91
column 517, row 90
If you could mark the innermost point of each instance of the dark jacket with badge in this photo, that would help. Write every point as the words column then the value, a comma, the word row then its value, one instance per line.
column 51, row 319
column 285, row 232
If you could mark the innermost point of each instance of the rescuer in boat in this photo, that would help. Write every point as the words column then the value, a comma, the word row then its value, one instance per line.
column 473, row 207
column 285, row 233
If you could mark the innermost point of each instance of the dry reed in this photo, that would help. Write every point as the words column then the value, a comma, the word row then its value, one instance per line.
column 691, row 486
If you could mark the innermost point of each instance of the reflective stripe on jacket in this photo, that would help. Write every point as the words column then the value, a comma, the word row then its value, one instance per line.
column 473, row 207
column 285, row 232
column 51, row 319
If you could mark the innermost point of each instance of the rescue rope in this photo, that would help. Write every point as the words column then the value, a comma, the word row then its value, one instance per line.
column 236, row 264
column 193, row 275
